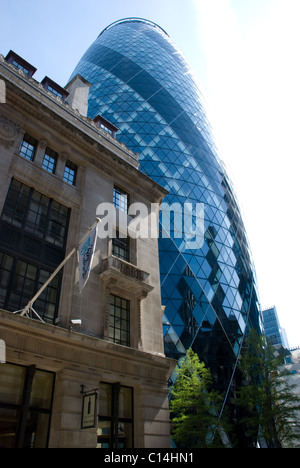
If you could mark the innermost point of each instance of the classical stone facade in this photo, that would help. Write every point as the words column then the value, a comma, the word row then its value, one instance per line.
column 91, row 370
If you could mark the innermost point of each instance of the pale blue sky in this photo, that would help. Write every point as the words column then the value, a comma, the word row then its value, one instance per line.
column 246, row 56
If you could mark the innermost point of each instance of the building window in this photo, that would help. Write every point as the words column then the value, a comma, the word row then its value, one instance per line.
column 35, row 213
column 50, row 160
column 28, row 147
column 6, row 264
column 115, row 419
column 120, row 199
column 119, row 321
column 19, row 281
column 106, row 125
column 54, row 91
column 20, row 67
column 54, row 88
column 33, row 234
column 58, row 221
column 21, row 64
column 26, row 395
column 121, row 247
column 70, row 173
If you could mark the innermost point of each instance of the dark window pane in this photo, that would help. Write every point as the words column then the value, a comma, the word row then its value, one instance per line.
column 16, row 203
column 105, row 399
column 119, row 325
column 115, row 425
column 47, row 303
column 37, row 221
column 57, row 226
column 14, row 410
column 121, row 247
column 39, row 215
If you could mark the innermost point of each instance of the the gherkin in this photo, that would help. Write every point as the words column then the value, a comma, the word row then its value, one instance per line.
column 143, row 85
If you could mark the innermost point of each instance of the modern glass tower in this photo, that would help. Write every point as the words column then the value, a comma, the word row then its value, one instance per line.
column 272, row 328
column 143, row 85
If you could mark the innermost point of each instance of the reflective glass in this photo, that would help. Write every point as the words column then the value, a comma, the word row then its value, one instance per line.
column 105, row 398
column 28, row 147
column 42, row 389
column 8, row 427
column 25, row 406
column 12, row 379
column 143, row 85
column 50, row 159
column 70, row 173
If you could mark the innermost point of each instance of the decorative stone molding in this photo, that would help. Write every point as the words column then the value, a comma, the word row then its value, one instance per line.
column 8, row 131
column 63, row 349
column 126, row 276
column 64, row 156
column 43, row 144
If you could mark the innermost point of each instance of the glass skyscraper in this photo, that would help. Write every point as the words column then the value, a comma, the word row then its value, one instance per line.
column 272, row 328
column 143, row 85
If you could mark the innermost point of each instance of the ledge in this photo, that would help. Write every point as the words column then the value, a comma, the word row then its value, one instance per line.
column 125, row 275
column 61, row 348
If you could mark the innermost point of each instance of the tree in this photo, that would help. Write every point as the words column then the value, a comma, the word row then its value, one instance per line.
column 268, row 400
column 194, row 406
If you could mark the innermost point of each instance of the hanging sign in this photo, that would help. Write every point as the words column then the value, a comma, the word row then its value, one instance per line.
column 88, row 418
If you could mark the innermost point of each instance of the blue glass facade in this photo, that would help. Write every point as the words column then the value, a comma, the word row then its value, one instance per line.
column 143, row 85
column 272, row 328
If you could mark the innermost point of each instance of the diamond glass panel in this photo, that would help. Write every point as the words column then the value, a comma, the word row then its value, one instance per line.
column 143, row 85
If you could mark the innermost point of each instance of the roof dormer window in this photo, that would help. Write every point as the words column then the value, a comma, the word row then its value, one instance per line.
column 106, row 125
column 54, row 88
column 19, row 63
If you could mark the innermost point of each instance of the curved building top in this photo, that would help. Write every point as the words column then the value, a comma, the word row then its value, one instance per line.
column 134, row 20
column 143, row 85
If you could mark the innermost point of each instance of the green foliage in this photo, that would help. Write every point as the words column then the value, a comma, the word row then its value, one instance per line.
column 194, row 406
column 268, row 400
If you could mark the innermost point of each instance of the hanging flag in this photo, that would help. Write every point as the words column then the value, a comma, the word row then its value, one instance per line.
column 86, row 252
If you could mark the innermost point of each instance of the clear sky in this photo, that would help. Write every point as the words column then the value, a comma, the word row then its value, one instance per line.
column 246, row 56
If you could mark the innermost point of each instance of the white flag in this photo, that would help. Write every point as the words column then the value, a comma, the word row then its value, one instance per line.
column 86, row 252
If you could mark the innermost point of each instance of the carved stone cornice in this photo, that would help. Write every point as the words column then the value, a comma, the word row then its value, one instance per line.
column 60, row 348
column 68, row 124
column 94, row 152
column 95, row 146
column 8, row 130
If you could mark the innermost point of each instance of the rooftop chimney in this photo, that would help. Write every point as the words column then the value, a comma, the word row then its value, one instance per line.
column 78, row 88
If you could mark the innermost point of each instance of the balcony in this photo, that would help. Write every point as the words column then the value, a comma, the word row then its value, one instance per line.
column 116, row 273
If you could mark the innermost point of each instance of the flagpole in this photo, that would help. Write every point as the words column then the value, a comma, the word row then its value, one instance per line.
column 30, row 303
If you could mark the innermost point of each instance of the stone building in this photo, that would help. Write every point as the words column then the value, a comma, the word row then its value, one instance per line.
column 83, row 369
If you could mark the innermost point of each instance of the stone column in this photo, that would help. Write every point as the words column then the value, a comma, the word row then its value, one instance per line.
column 40, row 152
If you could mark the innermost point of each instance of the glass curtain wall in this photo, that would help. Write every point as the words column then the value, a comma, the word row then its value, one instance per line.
column 144, row 86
